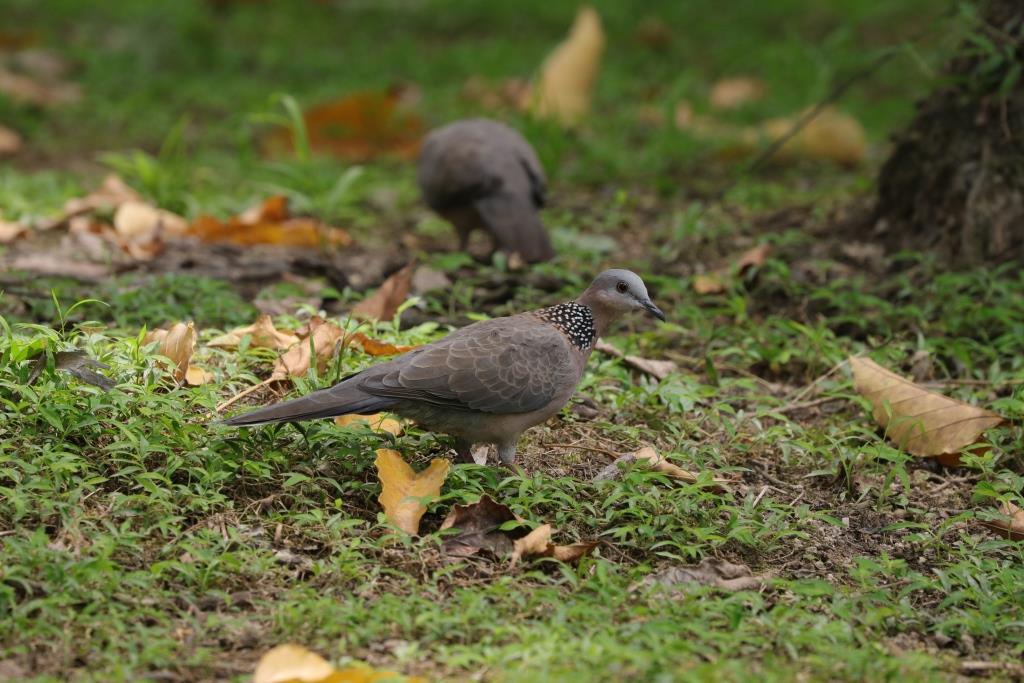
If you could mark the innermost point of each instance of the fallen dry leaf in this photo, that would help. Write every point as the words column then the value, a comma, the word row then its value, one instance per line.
column 358, row 127
column 384, row 303
column 752, row 258
column 732, row 93
column 510, row 93
column 650, row 457
column 11, row 231
column 710, row 572
column 78, row 364
column 10, row 142
column 536, row 542
column 829, row 136
column 112, row 193
column 479, row 525
column 402, row 490
column 374, row 347
column 177, row 344
column 296, row 361
column 196, row 376
column 296, row 664
column 920, row 422
column 378, row 422
column 263, row 336
column 659, row 369
column 563, row 89
column 37, row 91
column 1012, row 527
column 61, row 266
column 708, row 284
column 269, row 223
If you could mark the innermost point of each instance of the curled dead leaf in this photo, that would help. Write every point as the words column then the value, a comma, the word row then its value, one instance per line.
column 563, row 90
column 919, row 421
column 478, row 525
column 177, row 344
column 112, row 193
column 403, row 490
column 263, row 336
column 324, row 338
column 752, row 258
column 379, row 422
column 196, row 376
column 384, row 303
column 830, row 136
column 536, row 542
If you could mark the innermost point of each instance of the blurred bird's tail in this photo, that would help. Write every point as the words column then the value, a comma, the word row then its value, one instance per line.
column 342, row 399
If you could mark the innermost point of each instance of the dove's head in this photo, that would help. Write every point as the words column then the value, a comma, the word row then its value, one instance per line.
column 615, row 293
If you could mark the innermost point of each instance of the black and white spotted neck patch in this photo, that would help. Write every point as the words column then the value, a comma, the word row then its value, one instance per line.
column 575, row 320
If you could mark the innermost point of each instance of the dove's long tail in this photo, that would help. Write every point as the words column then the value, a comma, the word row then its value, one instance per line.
column 343, row 398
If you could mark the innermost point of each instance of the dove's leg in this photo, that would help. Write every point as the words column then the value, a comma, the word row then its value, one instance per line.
column 507, row 452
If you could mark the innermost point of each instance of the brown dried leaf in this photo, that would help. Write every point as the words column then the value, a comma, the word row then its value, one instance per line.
column 830, row 136
column 567, row 77
column 10, row 142
column 479, row 528
column 11, row 231
column 61, row 266
column 920, row 422
column 1013, row 526
column 384, row 303
column 378, row 422
column 43, row 93
column 374, row 347
column 753, row 258
column 659, row 369
column 297, row 360
column 537, row 542
column 710, row 572
column 269, row 223
column 112, row 193
column 402, row 490
column 359, row 127
column 732, row 93
column 177, row 344
column 264, row 336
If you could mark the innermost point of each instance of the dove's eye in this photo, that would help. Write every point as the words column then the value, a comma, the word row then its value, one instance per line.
column 622, row 287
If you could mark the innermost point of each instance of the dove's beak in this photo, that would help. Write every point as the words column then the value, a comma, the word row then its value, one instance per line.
column 654, row 310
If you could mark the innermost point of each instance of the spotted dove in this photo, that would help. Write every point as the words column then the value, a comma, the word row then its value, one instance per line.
column 487, row 382
column 481, row 174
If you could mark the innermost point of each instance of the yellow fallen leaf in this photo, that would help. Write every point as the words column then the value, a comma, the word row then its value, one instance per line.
column 831, row 136
column 112, row 193
column 920, row 422
column 661, row 464
column 731, row 93
column 177, row 344
column 269, row 223
column 402, row 489
column 263, row 336
column 563, row 89
column 286, row 663
column 384, row 303
column 536, row 542
column 196, row 376
column 379, row 422
column 297, row 360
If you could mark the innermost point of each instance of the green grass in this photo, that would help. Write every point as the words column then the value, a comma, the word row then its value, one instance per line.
column 141, row 541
